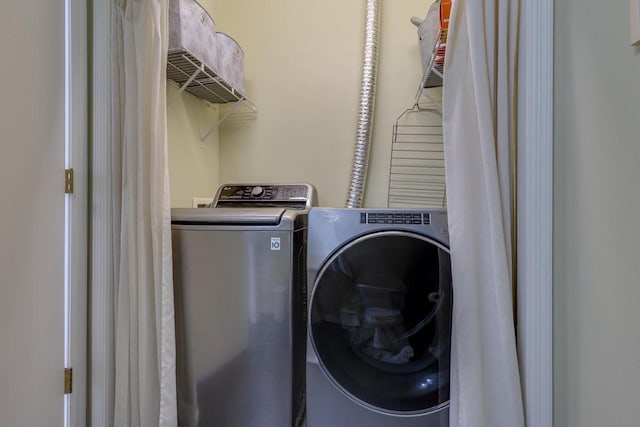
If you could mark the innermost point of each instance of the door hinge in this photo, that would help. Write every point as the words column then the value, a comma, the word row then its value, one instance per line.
column 68, row 380
column 68, row 181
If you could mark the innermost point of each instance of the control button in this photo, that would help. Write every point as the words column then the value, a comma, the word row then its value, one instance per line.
column 363, row 218
column 257, row 191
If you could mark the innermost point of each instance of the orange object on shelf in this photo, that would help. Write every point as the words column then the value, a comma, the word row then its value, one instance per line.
column 445, row 11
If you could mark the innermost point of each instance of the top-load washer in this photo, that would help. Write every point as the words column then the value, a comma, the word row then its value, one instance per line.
column 379, row 327
column 239, row 287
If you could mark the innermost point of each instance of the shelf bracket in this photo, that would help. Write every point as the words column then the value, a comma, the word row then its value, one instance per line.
column 187, row 83
column 437, row 73
column 211, row 87
column 220, row 120
column 430, row 69
column 432, row 99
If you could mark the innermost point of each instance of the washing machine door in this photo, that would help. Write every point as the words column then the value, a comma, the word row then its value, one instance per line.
column 380, row 321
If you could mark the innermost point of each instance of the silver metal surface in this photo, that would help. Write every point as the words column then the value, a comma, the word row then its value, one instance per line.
column 367, row 104
column 249, row 216
column 335, row 227
column 331, row 232
column 238, row 299
column 329, row 407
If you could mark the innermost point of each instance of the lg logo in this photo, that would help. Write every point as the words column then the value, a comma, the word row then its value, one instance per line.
column 275, row 243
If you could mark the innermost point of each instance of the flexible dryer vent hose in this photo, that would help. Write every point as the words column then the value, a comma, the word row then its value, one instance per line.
column 367, row 101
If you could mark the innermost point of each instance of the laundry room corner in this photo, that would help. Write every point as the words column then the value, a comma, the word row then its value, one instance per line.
column 302, row 68
column 303, row 62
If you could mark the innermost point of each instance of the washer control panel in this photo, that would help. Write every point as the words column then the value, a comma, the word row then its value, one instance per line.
column 298, row 196
column 395, row 218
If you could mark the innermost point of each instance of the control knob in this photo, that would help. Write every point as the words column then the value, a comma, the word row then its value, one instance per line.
column 257, row 191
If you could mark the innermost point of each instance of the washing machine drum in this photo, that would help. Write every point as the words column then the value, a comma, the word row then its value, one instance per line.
column 380, row 321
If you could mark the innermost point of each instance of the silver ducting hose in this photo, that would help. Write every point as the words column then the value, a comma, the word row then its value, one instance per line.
column 367, row 100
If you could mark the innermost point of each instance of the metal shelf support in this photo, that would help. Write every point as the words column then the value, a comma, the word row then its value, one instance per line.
column 201, row 81
column 431, row 72
column 184, row 86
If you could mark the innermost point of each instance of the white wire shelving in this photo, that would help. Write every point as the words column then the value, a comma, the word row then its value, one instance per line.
column 433, row 74
column 416, row 172
column 197, row 78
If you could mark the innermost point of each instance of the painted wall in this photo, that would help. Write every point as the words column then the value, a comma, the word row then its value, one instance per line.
column 193, row 164
column 302, row 61
column 596, row 231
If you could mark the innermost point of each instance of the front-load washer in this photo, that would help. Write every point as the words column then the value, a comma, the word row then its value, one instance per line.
column 379, row 326
column 240, row 307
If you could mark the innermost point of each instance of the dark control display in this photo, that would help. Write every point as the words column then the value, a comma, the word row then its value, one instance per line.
column 395, row 218
column 262, row 194
column 248, row 192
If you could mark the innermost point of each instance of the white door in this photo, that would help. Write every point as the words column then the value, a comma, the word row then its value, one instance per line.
column 32, row 217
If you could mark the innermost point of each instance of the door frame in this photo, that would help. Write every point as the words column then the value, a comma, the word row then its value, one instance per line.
column 535, row 211
column 76, row 209
column 101, row 301
column 534, row 217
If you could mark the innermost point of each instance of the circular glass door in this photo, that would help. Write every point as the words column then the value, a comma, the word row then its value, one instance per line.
column 380, row 321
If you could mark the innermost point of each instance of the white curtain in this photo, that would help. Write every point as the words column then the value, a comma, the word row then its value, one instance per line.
column 479, row 117
column 145, row 391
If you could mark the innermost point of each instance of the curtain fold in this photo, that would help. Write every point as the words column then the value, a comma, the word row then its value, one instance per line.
column 479, row 117
column 145, row 391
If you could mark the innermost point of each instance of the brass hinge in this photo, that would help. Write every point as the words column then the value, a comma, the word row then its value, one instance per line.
column 68, row 181
column 68, row 380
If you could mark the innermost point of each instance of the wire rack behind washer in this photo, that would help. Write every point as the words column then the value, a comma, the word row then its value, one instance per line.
column 416, row 176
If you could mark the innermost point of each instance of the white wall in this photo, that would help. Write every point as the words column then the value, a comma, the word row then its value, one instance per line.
column 596, row 228
column 193, row 164
column 303, row 62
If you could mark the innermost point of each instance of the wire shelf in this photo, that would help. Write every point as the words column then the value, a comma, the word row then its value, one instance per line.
column 433, row 73
column 200, row 79
column 195, row 77
column 416, row 175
